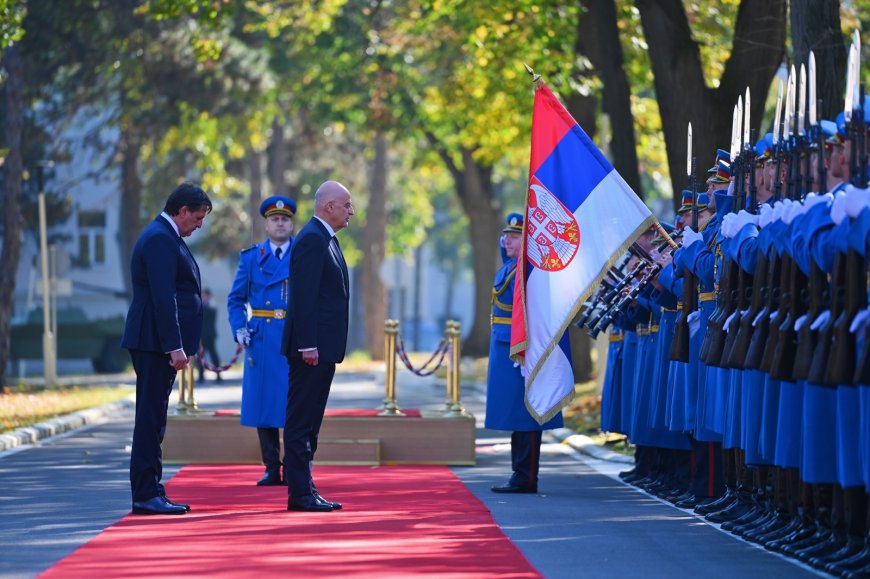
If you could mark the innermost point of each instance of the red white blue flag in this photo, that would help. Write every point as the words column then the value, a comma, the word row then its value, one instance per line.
column 581, row 216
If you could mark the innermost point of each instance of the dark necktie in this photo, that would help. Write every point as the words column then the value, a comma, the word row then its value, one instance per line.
column 279, row 252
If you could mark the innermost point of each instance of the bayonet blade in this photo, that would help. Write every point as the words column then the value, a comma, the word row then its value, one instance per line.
column 689, row 153
column 789, row 106
column 812, row 89
column 850, row 84
column 746, row 107
column 778, row 117
column 802, row 101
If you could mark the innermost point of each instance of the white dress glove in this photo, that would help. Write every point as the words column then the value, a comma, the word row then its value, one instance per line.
column 728, row 228
column 856, row 200
column 765, row 214
column 838, row 209
column 860, row 322
column 690, row 236
column 243, row 337
column 694, row 321
column 821, row 320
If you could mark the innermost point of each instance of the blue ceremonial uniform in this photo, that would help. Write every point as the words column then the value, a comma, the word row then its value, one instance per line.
column 262, row 281
column 505, row 385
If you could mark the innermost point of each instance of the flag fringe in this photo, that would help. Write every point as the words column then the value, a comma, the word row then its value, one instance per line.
column 575, row 309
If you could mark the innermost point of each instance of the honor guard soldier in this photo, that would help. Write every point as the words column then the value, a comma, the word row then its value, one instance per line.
column 505, row 385
column 262, row 283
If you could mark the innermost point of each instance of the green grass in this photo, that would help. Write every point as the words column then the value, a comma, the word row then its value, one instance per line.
column 25, row 408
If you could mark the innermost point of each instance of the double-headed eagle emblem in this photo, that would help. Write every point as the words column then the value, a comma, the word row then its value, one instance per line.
column 552, row 233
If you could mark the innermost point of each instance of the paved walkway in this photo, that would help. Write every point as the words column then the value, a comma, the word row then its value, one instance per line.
column 59, row 493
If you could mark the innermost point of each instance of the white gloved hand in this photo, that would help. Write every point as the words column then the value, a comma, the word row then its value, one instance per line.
column 779, row 207
column 816, row 198
column 744, row 218
column 728, row 321
column 765, row 214
column 690, row 236
column 838, row 209
column 856, row 200
column 860, row 322
column 791, row 211
column 694, row 321
column 799, row 323
column 243, row 337
column 728, row 228
column 821, row 320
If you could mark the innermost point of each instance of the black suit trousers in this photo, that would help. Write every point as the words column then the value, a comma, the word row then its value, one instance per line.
column 154, row 378
column 306, row 403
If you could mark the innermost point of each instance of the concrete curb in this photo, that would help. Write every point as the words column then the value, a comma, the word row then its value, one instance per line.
column 61, row 424
column 585, row 445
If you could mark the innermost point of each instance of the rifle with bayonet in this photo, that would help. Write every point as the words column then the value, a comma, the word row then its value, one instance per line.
column 842, row 362
column 627, row 299
column 783, row 362
column 713, row 346
column 680, row 344
column 731, row 357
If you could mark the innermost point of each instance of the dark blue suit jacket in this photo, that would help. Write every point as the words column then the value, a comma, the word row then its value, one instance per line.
column 166, row 312
column 317, row 314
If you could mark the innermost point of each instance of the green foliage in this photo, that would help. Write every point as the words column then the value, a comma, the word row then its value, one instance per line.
column 11, row 16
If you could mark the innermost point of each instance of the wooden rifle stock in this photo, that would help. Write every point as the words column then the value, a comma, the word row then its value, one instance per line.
column 781, row 310
column 741, row 299
column 841, row 364
column 817, row 285
column 679, row 351
column 782, row 364
column 821, row 354
column 761, row 331
column 740, row 351
column 715, row 335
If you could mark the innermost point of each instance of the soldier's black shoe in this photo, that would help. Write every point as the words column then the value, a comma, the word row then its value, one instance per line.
column 821, row 535
column 511, row 488
column 836, row 542
column 719, row 504
column 798, row 537
column 858, row 561
column 270, row 478
column 781, row 524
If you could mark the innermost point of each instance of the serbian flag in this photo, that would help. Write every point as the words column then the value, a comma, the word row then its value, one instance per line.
column 581, row 216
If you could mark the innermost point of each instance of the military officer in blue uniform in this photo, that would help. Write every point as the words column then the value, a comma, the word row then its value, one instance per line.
column 262, row 283
column 505, row 385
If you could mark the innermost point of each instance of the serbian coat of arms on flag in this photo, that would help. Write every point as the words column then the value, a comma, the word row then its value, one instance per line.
column 580, row 217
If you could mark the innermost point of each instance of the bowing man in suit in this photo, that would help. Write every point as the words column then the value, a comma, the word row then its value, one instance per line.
column 162, row 333
column 315, row 338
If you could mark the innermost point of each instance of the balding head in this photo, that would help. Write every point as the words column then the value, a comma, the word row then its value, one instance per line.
column 332, row 204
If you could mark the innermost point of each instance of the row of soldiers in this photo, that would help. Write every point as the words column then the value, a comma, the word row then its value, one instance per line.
column 739, row 358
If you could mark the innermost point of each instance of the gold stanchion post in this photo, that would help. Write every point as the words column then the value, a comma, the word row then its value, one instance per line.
column 191, row 403
column 391, row 331
column 182, row 407
column 454, row 406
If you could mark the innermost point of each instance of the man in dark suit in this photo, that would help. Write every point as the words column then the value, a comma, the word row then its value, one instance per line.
column 315, row 338
column 162, row 333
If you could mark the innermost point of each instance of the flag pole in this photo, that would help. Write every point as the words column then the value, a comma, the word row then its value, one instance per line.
column 664, row 234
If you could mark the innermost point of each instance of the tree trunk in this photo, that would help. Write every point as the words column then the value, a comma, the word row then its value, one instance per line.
column 11, row 251
column 255, row 178
column 278, row 159
column 476, row 193
column 616, row 95
column 683, row 97
column 131, row 201
column 815, row 25
column 584, row 108
column 374, row 251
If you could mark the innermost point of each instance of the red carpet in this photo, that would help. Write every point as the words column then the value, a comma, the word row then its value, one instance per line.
column 396, row 522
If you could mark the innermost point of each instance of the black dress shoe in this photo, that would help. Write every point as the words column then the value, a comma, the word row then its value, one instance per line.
column 335, row 506
column 270, row 479
column 509, row 487
column 184, row 506
column 307, row 503
column 157, row 506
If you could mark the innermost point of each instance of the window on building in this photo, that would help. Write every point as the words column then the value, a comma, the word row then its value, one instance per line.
column 92, row 237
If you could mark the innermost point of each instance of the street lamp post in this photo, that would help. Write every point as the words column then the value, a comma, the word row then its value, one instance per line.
column 49, row 358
